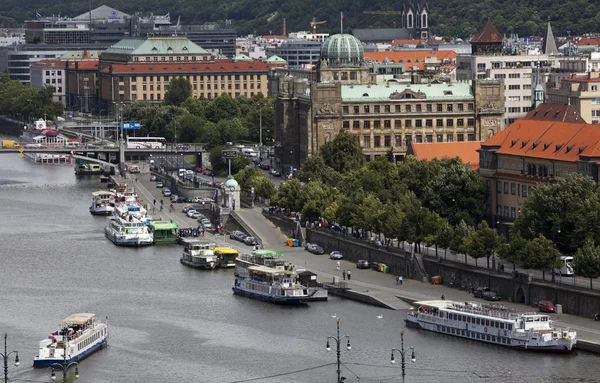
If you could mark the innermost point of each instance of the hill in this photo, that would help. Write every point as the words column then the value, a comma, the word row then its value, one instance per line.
column 449, row 18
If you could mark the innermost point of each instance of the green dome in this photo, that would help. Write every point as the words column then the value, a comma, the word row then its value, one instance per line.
column 342, row 50
column 231, row 183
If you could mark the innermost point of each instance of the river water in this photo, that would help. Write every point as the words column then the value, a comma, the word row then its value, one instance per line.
column 169, row 323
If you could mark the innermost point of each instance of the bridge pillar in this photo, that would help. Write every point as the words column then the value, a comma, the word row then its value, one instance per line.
column 122, row 157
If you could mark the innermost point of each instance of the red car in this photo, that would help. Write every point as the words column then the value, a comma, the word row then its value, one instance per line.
column 546, row 306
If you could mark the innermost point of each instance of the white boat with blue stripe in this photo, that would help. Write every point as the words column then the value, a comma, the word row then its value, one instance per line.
column 271, row 285
column 78, row 336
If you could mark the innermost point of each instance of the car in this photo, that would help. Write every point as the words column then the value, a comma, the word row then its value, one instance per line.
column 309, row 245
column 480, row 291
column 240, row 236
column 159, row 184
column 546, row 306
column 207, row 225
column 265, row 166
column 250, row 241
column 167, row 192
column 362, row 264
column 190, row 212
column 275, row 173
column 187, row 208
column 318, row 250
column 234, row 234
column 197, row 215
column 153, row 178
column 174, row 198
column 336, row 255
column 256, row 161
column 491, row 296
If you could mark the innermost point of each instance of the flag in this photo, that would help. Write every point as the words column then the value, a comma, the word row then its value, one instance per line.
column 37, row 15
column 342, row 15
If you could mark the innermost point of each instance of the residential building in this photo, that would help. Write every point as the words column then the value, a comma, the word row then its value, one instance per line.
column 582, row 93
column 426, row 62
column 302, row 35
column 50, row 73
column 384, row 117
column 467, row 151
column 297, row 53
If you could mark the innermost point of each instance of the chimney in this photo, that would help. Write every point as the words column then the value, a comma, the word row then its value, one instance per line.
column 284, row 28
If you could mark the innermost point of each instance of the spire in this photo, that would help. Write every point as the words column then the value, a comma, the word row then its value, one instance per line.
column 538, row 89
column 549, row 47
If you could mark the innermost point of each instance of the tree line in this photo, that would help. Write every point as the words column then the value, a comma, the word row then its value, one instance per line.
column 23, row 102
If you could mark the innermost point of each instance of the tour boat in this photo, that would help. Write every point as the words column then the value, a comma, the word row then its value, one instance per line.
column 226, row 256
column 492, row 323
column 103, row 203
column 267, row 258
column 133, row 208
column 128, row 231
column 271, row 285
column 198, row 254
column 78, row 336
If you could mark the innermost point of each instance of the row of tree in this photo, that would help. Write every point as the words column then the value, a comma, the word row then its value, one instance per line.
column 25, row 102
column 183, row 118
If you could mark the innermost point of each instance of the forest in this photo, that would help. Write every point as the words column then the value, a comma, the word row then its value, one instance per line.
column 449, row 18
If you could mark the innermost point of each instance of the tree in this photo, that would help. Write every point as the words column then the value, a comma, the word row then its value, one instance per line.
column 188, row 128
column 220, row 165
column 180, row 89
column 444, row 236
column 231, row 130
column 541, row 254
column 196, row 106
column 482, row 242
column 211, row 135
column 314, row 169
column 368, row 215
column 289, row 195
column 513, row 251
column 251, row 177
column 222, row 108
column 416, row 174
column 343, row 153
column 314, row 200
column 460, row 242
column 586, row 261
column 391, row 220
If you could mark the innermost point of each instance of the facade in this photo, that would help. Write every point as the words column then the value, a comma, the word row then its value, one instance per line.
column 386, row 117
column 82, row 86
column 551, row 142
column 303, row 35
column 298, row 53
column 50, row 73
column 582, row 93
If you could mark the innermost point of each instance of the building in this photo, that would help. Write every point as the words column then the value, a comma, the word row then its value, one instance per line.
column 82, row 86
column 303, row 35
column 467, row 151
column 414, row 24
column 384, row 117
column 297, row 53
column 50, row 73
column 536, row 150
column 488, row 62
column 425, row 62
column 582, row 93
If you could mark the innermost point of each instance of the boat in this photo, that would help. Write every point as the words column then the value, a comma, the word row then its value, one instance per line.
column 132, row 208
column 87, row 169
column 78, row 336
column 226, row 256
column 128, row 231
column 103, row 203
column 198, row 254
column 492, row 323
column 267, row 258
column 164, row 232
column 271, row 285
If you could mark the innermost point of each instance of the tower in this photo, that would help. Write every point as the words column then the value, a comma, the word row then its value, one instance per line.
column 538, row 89
column 549, row 46
column 415, row 18
column 488, row 42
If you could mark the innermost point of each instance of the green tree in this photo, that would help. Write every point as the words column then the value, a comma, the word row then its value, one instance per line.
column 314, row 200
column 513, row 251
column 445, row 235
column 586, row 261
column 219, row 164
column 188, row 128
column 391, row 221
column 231, row 130
column 196, row 106
column 541, row 254
column 180, row 89
column 483, row 242
column 289, row 195
column 416, row 174
column 314, row 169
column 343, row 153
column 222, row 108
column 460, row 243
column 369, row 214
column 211, row 135
column 245, row 176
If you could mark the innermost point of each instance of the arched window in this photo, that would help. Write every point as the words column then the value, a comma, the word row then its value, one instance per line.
column 424, row 20
column 410, row 21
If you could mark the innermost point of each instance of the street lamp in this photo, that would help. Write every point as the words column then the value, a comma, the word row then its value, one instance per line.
column 338, row 341
column 403, row 352
column 64, row 366
column 5, row 357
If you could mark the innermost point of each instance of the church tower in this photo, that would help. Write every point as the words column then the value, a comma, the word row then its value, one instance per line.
column 415, row 18
column 538, row 89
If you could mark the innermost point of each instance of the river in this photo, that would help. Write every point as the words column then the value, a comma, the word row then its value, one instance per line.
column 169, row 323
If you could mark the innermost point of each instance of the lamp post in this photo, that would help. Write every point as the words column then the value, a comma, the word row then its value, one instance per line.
column 338, row 341
column 403, row 352
column 5, row 357
column 64, row 366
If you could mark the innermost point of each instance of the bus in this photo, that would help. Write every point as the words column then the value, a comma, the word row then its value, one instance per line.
column 566, row 266
column 226, row 256
column 146, row 142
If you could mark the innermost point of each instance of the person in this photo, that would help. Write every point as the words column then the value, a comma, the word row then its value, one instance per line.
column 349, row 275
column 344, row 274
column 443, row 298
column 161, row 202
column 338, row 265
column 171, row 208
column 154, row 202
column 400, row 277
column 597, row 317
column 397, row 279
column 161, row 207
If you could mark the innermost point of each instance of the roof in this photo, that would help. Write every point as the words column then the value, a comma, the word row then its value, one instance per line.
column 225, row 250
column 82, row 55
column 585, row 78
column 102, row 192
column 242, row 57
column 268, row 270
column 438, row 304
column 545, row 139
column 80, row 318
column 267, row 253
column 549, row 46
column 467, row 151
column 394, row 91
column 102, row 12
column 489, row 34
column 83, row 65
column 164, row 225
column 410, row 59
column 217, row 66
column 398, row 42
column 555, row 112
column 276, row 60
column 588, row 41
column 173, row 45
column 381, row 34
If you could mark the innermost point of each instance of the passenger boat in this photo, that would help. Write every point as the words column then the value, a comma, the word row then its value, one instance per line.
column 103, row 203
column 198, row 254
column 87, row 169
column 267, row 258
column 78, row 336
column 492, row 324
column 130, row 208
column 164, row 232
column 226, row 256
column 271, row 285
column 128, row 232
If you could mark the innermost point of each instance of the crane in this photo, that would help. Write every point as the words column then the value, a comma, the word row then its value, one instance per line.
column 314, row 23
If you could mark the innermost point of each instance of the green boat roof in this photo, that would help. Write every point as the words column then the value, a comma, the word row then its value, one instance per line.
column 267, row 253
column 163, row 225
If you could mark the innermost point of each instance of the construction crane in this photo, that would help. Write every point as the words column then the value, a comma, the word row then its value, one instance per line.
column 314, row 23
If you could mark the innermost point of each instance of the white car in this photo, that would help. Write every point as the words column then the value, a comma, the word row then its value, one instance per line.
column 191, row 212
column 166, row 192
column 335, row 255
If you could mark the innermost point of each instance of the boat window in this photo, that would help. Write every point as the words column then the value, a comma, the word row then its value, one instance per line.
column 510, row 326
column 487, row 322
column 493, row 338
column 478, row 320
column 488, row 337
column 468, row 319
column 501, row 325
column 478, row 336
column 529, row 319
column 441, row 314
column 497, row 324
column 537, row 319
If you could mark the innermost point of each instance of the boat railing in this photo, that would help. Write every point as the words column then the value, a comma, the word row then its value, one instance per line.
column 497, row 312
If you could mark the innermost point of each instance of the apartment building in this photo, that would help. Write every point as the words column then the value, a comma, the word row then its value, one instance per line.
column 582, row 93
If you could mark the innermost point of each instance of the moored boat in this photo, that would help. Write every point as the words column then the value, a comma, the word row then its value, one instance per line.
column 198, row 254
column 226, row 256
column 492, row 324
column 164, row 232
column 78, row 336
column 271, row 285
column 103, row 203
column 128, row 232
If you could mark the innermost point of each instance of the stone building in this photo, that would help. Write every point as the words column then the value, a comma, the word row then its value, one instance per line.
column 384, row 117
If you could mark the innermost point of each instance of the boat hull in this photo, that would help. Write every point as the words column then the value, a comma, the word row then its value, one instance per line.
column 101, row 211
column 198, row 266
column 289, row 301
column 127, row 241
column 48, row 362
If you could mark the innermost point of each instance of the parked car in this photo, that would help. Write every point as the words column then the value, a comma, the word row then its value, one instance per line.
column 335, row 255
column 318, row 250
column 174, row 198
column 234, row 234
column 153, row 178
column 197, row 215
column 275, row 173
column 206, row 224
column 251, row 241
column 167, row 192
column 159, row 184
column 240, row 236
column 362, row 264
column 491, row 296
column 190, row 212
column 478, row 293
column 265, row 166
column 308, row 245
column 187, row 208
column 546, row 306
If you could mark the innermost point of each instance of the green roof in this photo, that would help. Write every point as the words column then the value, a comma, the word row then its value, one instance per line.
column 242, row 57
column 89, row 55
column 267, row 253
column 163, row 225
column 382, row 92
column 276, row 59
column 157, row 46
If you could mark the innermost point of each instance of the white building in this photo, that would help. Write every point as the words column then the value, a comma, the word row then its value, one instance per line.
column 51, row 73
column 303, row 35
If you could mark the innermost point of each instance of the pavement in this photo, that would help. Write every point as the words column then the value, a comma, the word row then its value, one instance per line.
column 379, row 285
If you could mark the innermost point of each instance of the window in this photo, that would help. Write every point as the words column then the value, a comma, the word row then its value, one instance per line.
column 439, row 138
column 481, row 67
column 514, row 87
column 596, row 113
column 439, row 123
column 594, row 88
column 513, row 212
column 506, row 211
column 596, row 101
column 527, row 86
column 387, row 141
column 514, row 75
column 449, row 137
column 355, row 124
column 346, row 124
column 418, row 123
column 470, row 107
column 387, row 124
column 397, row 124
column 460, row 107
column 460, row 137
column 514, row 109
column 418, row 138
column 346, row 109
column 429, row 107
column 439, row 107
column 397, row 108
column 366, row 109
column 450, row 122
column 408, row 124
column 387, row 108
column 524, row 190
column 460, row 122
column 449, row 107
column 429, row 123
column 377, row 141
column 514, row 98
column 408, row 108
column 513, row 188
column 377, row 124
column 377, row 109
column 418, row 108
column 366, row 141
column 356, row 109
column 428, row 138
column 398, row 139
column 470, row 122
column 367, row 125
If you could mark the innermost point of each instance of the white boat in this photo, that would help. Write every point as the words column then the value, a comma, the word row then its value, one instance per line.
column 78, row 336
column 199, row 254
column 271, row 285
column 130, row 208
column 128, row 231
column 103, row 203
column 492, row 324
column 267, row 258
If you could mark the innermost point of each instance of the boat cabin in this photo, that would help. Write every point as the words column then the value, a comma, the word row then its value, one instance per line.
column 532, row 321
column 165, row 232
column 226, row 255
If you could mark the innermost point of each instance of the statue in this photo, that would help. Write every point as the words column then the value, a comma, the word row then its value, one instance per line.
column 323, row 63
column 326, row 109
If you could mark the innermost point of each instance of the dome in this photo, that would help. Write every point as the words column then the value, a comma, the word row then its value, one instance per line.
column 342, row 50
column 231, row 183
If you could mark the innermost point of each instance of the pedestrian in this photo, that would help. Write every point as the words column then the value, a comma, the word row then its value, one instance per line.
column 344, row 274
column 349, row 275
column 443, row 298
column 397, row 279
column 400, row 278
column 338, row 265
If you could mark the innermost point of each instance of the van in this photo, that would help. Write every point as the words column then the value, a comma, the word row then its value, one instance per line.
column 181, row 172
column 10, row 144
column 248, row 152
column 72, row 144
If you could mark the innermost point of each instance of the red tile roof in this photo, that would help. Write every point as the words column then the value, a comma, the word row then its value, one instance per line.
column 588, row 41
column 555, row 112
column 84, row 65
column 217, row 66
column 410, row 59
column 585, row 78
column 489, row 34
column 467, row 151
